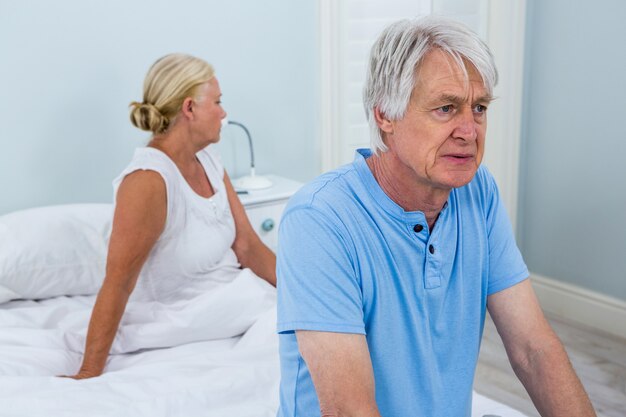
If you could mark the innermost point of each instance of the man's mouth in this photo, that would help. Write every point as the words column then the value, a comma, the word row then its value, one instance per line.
column 459, row 158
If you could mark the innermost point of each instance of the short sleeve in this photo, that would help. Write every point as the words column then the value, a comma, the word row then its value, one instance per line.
column 506, row 265
column 318, row 288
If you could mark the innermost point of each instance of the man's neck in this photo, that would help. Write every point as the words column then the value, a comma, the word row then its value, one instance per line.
column 401, row 185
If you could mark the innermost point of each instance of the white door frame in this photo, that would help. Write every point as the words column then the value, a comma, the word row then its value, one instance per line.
column 505, row 36
column 329, row 82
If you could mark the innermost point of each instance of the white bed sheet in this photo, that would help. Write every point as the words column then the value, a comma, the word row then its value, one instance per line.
column 234, row 376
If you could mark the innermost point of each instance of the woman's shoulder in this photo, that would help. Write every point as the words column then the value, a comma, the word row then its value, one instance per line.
column 142, row 185
column 151, row 157
column 151, row 164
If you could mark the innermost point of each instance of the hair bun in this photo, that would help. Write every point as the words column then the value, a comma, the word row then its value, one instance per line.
column 148, row 117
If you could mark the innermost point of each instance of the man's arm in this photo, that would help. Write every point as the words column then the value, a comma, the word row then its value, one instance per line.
column 341, row 370
column 536, row 353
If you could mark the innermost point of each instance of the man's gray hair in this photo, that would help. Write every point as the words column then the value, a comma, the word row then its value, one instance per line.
column 397, row 55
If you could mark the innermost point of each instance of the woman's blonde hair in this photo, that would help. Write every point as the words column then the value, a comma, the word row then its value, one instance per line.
column 170, row 80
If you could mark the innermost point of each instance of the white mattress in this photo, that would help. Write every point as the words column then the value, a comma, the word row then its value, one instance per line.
column 226, row 375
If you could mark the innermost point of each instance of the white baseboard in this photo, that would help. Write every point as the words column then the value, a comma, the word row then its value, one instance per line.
column 581, row 305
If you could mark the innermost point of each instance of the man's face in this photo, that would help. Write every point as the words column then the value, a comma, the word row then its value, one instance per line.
column 440, row 141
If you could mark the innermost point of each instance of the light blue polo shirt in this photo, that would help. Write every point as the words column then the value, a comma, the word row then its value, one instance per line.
column 351, row 260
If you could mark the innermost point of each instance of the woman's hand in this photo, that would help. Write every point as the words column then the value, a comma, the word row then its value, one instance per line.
column 81, row 375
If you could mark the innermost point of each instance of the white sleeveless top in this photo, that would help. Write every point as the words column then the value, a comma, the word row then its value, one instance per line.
column 193, row 254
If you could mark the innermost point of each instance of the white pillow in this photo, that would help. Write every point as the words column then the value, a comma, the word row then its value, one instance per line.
column 54, row 250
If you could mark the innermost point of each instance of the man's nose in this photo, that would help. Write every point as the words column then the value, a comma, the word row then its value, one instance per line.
column 466, row 127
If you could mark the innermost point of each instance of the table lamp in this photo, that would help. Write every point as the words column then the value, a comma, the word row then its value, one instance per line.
column 252, row 181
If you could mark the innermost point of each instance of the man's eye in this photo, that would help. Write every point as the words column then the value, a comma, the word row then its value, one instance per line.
column 446, row 109
column 479, row 108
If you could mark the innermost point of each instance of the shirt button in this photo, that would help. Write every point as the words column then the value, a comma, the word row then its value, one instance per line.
column 431, row 249
column 418, row 228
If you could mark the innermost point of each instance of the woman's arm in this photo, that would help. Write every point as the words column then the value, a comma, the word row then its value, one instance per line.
column 250, row 250
column 139, row 219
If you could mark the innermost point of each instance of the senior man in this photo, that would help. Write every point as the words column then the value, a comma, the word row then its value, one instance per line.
column 386, row 266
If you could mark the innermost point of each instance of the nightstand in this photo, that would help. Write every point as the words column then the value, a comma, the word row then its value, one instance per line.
column 264, row 207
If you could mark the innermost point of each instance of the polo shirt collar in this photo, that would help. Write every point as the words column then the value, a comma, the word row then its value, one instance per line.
column 379, row 195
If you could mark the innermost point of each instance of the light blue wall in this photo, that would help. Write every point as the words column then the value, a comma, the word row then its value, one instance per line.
column 69, row 69
column 573, row 191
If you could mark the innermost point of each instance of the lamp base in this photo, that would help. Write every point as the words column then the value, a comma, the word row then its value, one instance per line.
column 252, row 182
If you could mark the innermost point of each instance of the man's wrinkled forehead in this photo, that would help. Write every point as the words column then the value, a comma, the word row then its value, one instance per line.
column 439, row 74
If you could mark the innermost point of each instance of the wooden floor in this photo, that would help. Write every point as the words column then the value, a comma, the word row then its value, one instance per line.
column 598, row 358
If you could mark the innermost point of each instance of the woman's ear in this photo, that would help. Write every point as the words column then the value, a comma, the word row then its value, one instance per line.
column 383, row 123
column 188, row 108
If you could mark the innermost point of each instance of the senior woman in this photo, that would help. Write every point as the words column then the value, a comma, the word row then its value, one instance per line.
column 178, row 225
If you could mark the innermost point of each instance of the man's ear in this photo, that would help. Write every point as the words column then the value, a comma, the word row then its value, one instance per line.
column 188, row 108
column 383, row 123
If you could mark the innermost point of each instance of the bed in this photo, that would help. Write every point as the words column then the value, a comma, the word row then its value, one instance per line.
column 222, row 360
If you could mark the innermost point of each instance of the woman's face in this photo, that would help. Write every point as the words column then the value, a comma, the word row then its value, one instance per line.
column 208, row 112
